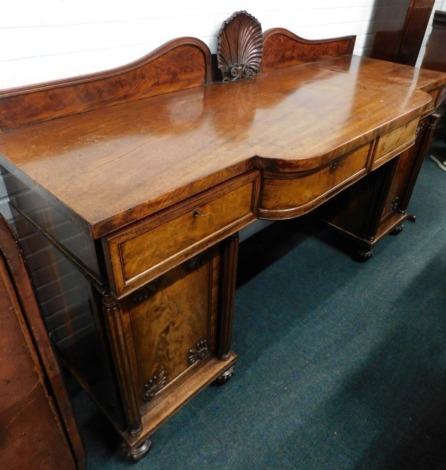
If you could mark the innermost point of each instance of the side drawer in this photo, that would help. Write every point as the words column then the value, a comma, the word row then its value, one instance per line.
column 152, row 246
column 394, row 142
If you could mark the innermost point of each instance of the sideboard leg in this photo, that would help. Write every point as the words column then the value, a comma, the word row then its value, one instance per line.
column 136, row 453
column 400, row 227
column 116, row 332
column 397, row 230
column 363, row 255
column 227, row 293
column 225, row 377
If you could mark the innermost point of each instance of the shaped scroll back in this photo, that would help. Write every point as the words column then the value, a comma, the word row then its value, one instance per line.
column 240, row 47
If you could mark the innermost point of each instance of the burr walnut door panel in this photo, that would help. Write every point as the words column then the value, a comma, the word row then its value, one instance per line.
column 172, row 322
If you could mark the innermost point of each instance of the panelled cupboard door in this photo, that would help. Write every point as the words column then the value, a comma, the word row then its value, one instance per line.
column 173, row 325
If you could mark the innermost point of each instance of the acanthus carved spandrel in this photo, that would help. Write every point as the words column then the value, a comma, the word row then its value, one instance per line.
column 240, row 47
column 395, row 204
column 198, row 352
column 154, row 385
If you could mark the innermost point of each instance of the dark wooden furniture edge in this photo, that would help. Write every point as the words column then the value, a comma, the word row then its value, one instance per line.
column 12, row 255
column 179, row 64
column 435, row 55
column 397, row 30
column 435, row 59
column 439, row 20
column 417, row 20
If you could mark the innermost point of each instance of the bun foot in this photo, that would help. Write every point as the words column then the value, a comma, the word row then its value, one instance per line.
column 363, row 255
column 137, row 453
column 225, row 377
column 397, row 230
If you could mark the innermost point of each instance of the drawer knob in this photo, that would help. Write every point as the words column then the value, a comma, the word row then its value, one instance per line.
column 198, row 213
column 334, row 165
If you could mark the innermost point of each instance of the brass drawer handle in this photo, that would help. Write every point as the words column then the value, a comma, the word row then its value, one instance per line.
column 198, row 213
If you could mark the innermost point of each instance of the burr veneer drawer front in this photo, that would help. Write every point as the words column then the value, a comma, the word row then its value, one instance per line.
column 288, row 195
column 138, row 254
column 394, row 142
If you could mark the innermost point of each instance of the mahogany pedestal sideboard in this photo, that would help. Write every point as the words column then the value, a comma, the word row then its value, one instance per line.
column 129, row 187
column 36, row 420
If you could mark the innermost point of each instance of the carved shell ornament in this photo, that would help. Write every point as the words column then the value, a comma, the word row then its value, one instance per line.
column 240, row 47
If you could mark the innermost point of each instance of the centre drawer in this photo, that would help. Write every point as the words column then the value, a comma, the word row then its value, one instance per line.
column 287, row 195
column 152, row 246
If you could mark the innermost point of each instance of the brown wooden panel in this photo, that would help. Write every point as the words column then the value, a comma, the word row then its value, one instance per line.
column 179, row 64
column 168, row 319
column 36, row 421
column 417, row 21
column 282, row 48
column 435, row 54
column 398, row 28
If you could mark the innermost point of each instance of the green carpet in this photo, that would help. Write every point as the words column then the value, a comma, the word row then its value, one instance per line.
column 342, row 365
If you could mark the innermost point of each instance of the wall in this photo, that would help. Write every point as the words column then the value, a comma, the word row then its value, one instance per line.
column 50, row 39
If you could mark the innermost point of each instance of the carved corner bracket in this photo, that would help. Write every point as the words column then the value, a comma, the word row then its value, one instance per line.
column 154, row 385
column 198, row 352
column 240, row 47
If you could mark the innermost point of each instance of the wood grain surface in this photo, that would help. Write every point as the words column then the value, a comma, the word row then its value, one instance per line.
column 114, row 165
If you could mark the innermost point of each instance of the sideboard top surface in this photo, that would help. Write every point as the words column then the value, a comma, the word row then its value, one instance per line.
column 114, row 165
